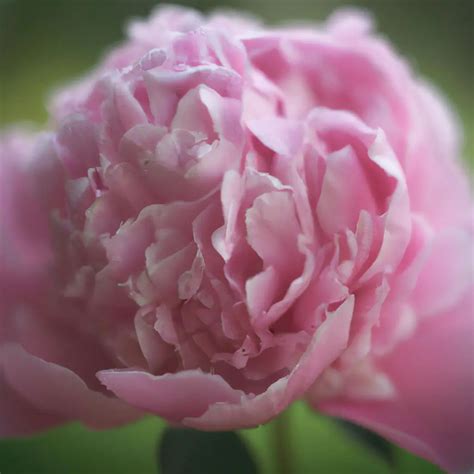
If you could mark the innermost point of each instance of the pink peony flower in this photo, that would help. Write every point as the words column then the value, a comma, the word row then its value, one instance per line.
column 229, row 218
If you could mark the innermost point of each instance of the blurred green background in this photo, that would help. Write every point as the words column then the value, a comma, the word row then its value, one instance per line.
column 44, row 43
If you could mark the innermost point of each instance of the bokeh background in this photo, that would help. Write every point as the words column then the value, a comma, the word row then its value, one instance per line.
column 45, row 43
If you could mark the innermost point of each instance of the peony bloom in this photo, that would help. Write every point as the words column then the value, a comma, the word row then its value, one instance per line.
column 228, row 218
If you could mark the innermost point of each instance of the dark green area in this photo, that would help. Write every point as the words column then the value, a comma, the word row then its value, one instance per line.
column 186, row 451
column 378, row 445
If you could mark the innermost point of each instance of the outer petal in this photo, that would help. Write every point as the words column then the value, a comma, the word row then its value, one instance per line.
column 24, row 261
column 18, row 417
column 432, row 413
column 172, row 396
column 59, row 392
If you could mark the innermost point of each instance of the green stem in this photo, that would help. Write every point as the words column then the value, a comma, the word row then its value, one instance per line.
column 282, row 443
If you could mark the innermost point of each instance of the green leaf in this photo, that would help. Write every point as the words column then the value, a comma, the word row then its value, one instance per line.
column 186, row 451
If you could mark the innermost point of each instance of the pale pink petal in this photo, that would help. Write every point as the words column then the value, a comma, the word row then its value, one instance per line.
column 446, row 274
column 168, row 395
column 285, row 137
